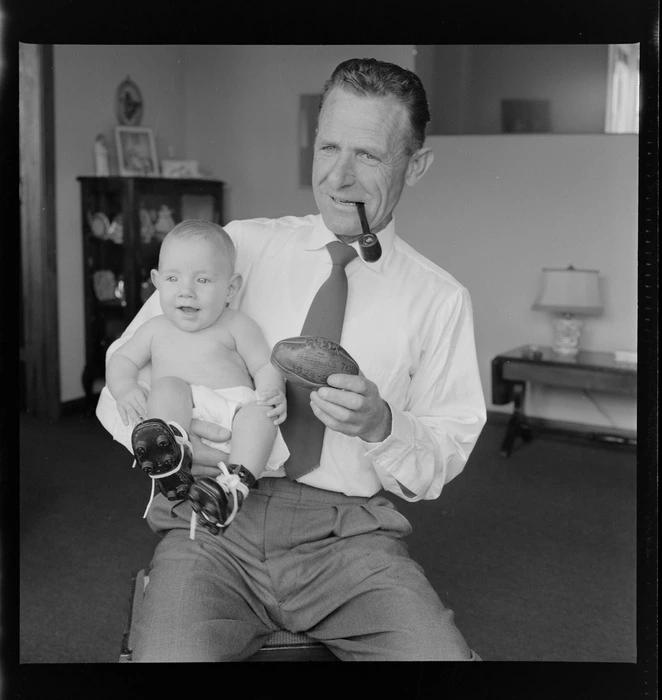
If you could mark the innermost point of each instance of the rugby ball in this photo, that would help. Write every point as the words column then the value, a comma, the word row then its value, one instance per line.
column 309, row 360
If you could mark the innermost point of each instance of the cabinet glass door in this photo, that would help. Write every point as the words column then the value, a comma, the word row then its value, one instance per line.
column 160, row 206
column 125, row 220
column 104, row 249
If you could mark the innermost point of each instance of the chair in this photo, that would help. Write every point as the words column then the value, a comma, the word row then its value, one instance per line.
column 280, row 646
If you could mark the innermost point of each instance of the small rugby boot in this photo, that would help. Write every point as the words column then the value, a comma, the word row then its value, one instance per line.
column 164, row 452
column 215, row 502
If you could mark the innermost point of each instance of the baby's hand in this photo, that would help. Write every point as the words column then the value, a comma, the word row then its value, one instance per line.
column 274, row 397
column 132, row 405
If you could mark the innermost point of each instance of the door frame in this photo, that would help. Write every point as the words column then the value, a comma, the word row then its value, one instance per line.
column 39, row 355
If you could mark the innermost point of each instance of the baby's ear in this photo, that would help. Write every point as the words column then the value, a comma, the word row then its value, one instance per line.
column 234, row 286
column 155, row 277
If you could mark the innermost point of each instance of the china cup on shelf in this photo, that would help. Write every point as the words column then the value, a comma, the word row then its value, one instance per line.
column 99, row 224
column 164, row 222
column 146, row 226
column 116, row 230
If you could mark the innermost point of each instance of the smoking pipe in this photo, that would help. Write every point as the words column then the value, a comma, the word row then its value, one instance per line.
column 371, row 249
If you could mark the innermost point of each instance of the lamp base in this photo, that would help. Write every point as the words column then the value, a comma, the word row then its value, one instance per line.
column 567, row 332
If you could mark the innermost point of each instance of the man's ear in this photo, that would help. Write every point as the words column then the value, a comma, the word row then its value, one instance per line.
column 154, row 274
column 418, row 164
column 234, row 286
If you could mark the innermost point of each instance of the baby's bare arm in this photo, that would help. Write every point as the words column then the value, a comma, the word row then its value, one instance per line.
column 269, row 383
column 267, row 377
column 252, row 346
column 273, row 394
column 125, row 363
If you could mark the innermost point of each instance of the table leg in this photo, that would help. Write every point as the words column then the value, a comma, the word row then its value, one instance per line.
column 517, row 425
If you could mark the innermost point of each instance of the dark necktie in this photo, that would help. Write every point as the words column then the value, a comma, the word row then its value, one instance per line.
column 302, row 431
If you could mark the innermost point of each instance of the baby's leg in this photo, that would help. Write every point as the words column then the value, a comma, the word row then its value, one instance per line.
column 161, row 443
column 253, row 436
column 217, row 501
column 170, row 399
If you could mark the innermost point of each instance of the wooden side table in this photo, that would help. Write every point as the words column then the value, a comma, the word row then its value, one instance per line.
column 591, row 371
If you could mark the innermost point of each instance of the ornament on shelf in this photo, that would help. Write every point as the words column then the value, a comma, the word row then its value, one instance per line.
column 165, row 222
column 99, row 224
column 104, row 285
column 146, row 225
column 120, row 291
column 101, row 168
column 116, row 230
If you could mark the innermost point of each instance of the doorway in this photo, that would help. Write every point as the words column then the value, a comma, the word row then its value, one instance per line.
column 39, row 363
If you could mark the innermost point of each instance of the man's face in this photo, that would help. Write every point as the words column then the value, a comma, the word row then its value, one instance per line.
column 194, row 282
column 359, row 157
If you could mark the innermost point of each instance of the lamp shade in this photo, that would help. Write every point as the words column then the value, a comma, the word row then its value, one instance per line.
column 569, row 291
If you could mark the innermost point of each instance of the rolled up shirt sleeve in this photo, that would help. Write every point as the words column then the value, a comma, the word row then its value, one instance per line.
column 435, row 431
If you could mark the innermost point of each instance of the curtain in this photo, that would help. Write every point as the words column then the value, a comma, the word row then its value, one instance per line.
column 622, row 114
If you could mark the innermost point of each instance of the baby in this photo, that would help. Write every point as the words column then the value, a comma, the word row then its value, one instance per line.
column 208, row 362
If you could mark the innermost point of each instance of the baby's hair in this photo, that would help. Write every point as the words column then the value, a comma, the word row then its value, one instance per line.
column 208, row 231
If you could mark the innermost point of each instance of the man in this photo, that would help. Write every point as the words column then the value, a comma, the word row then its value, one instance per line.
column 324, row 553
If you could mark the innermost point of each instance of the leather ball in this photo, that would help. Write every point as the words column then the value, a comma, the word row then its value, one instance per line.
column 309, row 361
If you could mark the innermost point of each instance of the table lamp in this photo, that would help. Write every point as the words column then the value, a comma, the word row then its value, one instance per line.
column 569, row 294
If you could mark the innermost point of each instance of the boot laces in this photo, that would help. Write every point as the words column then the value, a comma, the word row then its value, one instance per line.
column 183, row 442
column 231, row 484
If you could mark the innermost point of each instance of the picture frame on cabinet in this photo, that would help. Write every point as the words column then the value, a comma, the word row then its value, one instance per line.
column 136, row 151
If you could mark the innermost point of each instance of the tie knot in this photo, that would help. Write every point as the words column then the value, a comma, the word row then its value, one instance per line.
column 341, row 253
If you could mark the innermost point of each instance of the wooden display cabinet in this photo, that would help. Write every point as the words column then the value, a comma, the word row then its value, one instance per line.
column 124, row 220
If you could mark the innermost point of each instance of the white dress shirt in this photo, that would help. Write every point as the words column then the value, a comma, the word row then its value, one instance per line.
column 409, row 326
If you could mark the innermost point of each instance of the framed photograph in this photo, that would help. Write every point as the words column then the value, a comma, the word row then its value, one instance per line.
column 180, row 168
column 136, row 151
column 525, row 116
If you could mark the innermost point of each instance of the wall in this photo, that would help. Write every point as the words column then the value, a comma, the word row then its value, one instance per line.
column 243, row 104
column 452, row 86
column 85, row 81
column 495, row 210
column 469, row 82
column 573, row 78
column 510, row 205
column 234, row 108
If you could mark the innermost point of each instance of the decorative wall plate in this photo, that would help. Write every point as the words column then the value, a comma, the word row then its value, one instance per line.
column 129, row 103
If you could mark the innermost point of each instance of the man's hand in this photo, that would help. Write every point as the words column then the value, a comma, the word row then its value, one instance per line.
column 352, row 405
column 273, row 396
column 132, row 404
column 205, row 457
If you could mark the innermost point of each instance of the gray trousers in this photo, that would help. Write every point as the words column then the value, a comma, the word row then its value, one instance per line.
column 299, row 558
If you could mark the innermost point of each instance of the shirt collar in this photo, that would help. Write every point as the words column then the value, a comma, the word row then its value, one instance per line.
column 321, row 235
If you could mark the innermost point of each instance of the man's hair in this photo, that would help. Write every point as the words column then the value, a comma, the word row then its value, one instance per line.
column 208, row 231
column 372, row 78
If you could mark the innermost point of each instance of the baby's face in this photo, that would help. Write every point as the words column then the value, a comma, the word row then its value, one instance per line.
column 194, row 282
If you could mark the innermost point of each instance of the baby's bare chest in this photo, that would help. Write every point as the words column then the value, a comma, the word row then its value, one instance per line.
column 210, row 358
